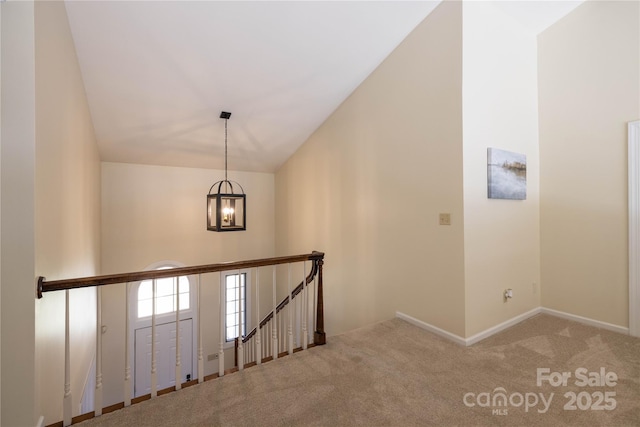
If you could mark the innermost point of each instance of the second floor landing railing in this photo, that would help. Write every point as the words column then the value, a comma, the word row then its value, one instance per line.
column 294, row 323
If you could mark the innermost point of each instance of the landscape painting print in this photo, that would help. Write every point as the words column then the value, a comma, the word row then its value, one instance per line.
column 507, row 175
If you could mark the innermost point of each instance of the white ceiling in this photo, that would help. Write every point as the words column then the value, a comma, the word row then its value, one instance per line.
column 537, row 16
column 158, row 73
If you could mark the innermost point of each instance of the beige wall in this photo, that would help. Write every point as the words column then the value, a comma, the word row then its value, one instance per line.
column 154, row 213
column 588, row 88
column 501, row 237
column 67, row 219
column 368, row 185
column 366, row 188
column 18, row 192
column 0, row 207
column 157, row 213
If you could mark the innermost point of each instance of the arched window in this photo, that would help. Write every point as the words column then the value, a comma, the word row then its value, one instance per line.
column 168, row 290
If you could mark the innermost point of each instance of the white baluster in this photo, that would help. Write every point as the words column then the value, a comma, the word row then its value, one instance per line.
column 154, row 374
column 267, row 339
column 200, row 352
column 67, row 402
column 290, row 312
column 299, row 319
column 98, row 395
column 280, row 329
column 305, row 306
column 178, row 361
column 223, row 310
column 274, row 329
column 127, row 362
column 258, row 338
column 294, row 321
column 240, row 321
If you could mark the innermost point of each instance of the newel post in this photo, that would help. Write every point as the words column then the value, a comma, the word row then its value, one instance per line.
column 235, row 353
column 319, row 337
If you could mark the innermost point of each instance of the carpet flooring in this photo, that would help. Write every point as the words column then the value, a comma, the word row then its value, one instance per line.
column 395, row 374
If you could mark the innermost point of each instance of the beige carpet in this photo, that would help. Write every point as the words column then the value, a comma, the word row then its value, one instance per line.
column 394, row 374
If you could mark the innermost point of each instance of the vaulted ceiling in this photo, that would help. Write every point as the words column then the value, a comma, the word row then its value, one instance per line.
column 158, row 73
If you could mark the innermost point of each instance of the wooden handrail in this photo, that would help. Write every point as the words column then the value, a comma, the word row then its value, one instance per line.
column 84, row 282
column 317, row 261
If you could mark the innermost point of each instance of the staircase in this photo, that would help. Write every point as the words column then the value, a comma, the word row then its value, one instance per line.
column 293, row 323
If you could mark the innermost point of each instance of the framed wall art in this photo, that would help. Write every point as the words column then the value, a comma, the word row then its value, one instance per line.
column 506, row 175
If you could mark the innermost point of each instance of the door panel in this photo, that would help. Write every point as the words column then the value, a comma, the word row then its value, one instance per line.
column 165, row 355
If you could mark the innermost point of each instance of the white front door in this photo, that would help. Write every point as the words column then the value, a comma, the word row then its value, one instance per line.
column 165, row 356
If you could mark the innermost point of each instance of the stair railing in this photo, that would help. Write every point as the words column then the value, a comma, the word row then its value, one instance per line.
column 292, row 319
column 286, row 329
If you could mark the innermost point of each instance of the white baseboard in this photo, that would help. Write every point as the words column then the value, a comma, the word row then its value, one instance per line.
column 509, row 323
column 428, row 327
column 586, row 321
column 501, row 326
column 473, row 339
column 40, row 422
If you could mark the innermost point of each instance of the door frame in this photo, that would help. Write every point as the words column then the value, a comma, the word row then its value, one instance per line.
column 248, row 302
column 634, row 227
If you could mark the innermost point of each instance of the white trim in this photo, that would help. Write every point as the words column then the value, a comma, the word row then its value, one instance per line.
column 509, row 323
column 586, row 320
column 501, row 326
column 428, row 327
column 247, row 302
column 634, row 228
column 40, row 422
column 475, row 338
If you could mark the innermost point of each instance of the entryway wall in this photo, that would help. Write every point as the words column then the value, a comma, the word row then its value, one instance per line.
column 152, row 213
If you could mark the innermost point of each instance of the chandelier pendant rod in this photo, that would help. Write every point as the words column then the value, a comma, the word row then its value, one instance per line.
column 225, row 149
column 226, row 180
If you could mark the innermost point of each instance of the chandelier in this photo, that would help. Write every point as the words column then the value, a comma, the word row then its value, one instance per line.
column 226, row 207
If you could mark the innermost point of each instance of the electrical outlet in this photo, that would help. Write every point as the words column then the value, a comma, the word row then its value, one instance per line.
column 211, row 357
column 445, row 219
